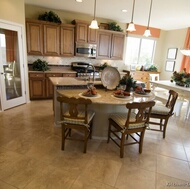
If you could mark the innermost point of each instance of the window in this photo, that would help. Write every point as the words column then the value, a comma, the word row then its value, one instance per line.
column 140, row 51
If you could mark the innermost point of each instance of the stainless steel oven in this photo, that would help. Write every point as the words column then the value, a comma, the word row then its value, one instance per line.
column 85, row 50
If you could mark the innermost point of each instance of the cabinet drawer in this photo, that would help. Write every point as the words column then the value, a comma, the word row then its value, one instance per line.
column 69, row 74
column 34, row 75
column 54, row 74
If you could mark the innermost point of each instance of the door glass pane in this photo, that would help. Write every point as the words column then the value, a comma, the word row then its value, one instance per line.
column 9, row 57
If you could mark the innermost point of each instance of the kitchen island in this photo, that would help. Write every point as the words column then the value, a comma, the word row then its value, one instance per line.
column 103, row 104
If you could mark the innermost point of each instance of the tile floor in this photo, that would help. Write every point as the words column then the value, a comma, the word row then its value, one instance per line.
column 30, row 156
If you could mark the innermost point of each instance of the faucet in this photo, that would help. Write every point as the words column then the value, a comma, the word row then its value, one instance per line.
column 90, row 65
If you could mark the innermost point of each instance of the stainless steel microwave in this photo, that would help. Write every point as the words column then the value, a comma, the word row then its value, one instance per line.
column 86, row 50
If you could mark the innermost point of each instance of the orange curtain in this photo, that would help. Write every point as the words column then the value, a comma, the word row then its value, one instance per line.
column 185, row 64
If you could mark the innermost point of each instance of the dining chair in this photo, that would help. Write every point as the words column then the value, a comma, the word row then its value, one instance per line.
column 133, row 124
column 74, row 115
column 160, row 114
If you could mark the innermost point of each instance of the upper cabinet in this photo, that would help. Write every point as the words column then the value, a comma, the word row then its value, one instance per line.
column 110, row 45
column 83, row 34
column 34, row 37
column 67, row 41
column 49, row 39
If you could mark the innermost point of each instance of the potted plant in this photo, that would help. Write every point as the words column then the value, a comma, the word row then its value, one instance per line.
column 40, row 65
column 50, row 17
column 128, row 81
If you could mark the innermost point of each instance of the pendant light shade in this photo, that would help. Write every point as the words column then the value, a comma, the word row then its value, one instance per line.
column 94, row 23
column 131, row 26
column 147, row 31
column 185, row 52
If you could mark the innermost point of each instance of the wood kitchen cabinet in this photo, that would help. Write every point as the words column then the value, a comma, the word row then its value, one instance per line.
column 51, row 39
column 110, row 45
column 34, row 38
column 37, row 85
column 49, row 86
column 83, row 34
column 67, row 41
column 40, row 85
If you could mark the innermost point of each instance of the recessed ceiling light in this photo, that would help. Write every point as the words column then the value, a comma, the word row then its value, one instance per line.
column 124, row 10
column 79, row 1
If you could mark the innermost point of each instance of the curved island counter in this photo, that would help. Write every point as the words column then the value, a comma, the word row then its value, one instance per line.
column 103, row 104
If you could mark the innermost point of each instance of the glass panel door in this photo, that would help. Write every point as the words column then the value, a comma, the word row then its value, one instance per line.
column 11, row 67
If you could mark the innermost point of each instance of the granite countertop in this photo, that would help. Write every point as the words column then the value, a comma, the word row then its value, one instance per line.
column 56, row 70
column 69, row 81
column 106, row 96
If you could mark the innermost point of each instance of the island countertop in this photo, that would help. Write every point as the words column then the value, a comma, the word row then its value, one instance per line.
column 103, row 104
column 69, row 81
column 106, row 96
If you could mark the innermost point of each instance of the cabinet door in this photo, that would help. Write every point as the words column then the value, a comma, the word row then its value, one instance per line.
column 37, row 85
column 67, row 41
column 117, row 46
column 34, row 38
column 92, row 36
column 49, row 85
column 51, row 40
column 104, row 44
column 81, row 32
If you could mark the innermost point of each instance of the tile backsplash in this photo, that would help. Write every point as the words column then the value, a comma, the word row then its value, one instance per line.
column 62, row 61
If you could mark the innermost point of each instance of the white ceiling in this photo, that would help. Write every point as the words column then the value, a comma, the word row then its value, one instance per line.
column 166, row 14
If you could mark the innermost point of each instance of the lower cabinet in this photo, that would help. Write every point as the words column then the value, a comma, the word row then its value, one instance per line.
column 37, row 85
column 49, row 86
column 41, row 86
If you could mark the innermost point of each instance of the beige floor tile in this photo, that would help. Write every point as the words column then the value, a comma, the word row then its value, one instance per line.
column 172, row 150
column 102, row 170
column 75, row 161
column 4, row 185
column 135, row 178
column 21, row 172
column 7, row 158
column 145, row 161
column 165, row 182
column 83, row 183
column 173, row 167
column 52, row 178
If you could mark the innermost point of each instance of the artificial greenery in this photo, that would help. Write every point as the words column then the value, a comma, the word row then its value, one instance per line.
column 181, row 78
column 113, row 26
column 152, row 68
column 40, row 65
column 50, row 17
column 128, row 81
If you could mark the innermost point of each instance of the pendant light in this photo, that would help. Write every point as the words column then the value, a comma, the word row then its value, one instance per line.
column 185, row 52
column 131, row 26
column 147, row 31
column 94, row 23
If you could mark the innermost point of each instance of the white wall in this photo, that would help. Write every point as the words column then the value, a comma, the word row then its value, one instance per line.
column 169, row 39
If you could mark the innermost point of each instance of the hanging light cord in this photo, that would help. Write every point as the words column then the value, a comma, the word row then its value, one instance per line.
column 94, row 9
column 149, row 14
column 133, row 11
